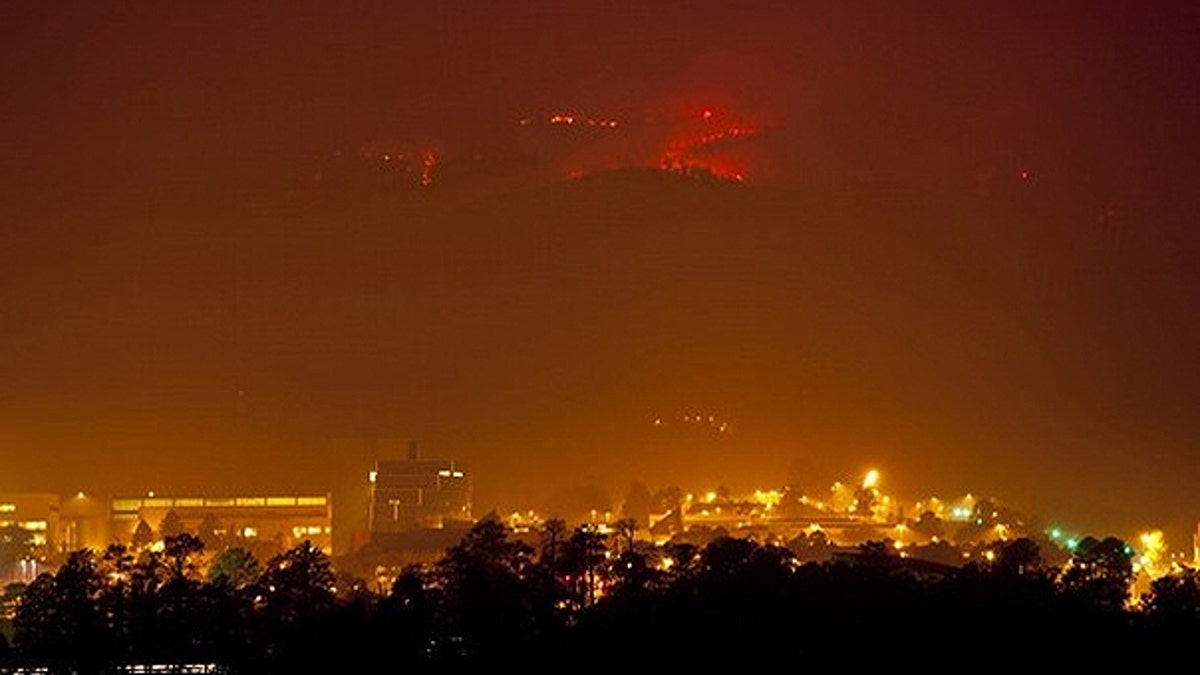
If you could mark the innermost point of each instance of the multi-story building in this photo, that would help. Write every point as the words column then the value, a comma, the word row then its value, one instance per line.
column 37, row 527
column 416, row 493
column 351, row 460
column 276, row 521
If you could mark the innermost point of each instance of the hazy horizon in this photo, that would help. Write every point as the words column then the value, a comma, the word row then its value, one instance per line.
column 957, row 245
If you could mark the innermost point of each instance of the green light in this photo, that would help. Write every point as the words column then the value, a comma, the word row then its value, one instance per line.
column 1055, row 533
column 1071, row 544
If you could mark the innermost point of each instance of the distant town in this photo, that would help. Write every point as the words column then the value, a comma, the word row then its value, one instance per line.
column 407, row 508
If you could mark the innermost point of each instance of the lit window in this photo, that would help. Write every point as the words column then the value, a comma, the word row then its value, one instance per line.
column 251, row 501
column 7, row 508
column 310, row 501
column 249, row 532
column 281, row 501
column 126, row 504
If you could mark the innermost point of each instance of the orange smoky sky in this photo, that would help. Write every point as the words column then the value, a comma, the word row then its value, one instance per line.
column 953, row 240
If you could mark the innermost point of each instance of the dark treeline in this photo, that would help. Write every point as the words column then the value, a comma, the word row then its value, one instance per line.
column 583, row 600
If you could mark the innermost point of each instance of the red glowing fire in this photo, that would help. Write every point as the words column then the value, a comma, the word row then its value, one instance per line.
column 704, row 145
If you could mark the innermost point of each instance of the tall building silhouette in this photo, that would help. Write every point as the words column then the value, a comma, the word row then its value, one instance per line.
column 416, row 493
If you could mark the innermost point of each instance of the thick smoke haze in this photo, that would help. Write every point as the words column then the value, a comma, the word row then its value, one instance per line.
column 964, row 250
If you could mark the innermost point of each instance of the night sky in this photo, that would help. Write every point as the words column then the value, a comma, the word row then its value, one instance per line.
column 955, row 241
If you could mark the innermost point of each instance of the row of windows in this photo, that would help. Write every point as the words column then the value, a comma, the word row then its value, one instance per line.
column 250, row 531
column 128, row 505
column 299, row 531
column 31, row 525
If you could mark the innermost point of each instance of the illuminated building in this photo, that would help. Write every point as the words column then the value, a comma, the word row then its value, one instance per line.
column 352, row 459
column 772, row 514
column 35, row 512
column 35, row 518
column 1196, row 546
column 415, row 493
column 84, row 522
column 285, row 521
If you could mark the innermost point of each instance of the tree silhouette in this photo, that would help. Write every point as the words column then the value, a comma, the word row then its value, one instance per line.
column 684, row 560
column 142, row 599
column 865, row 499
column 626, row 529
column 878, row 553
column 38, row 631
column 485, row 592
column 553, row 536
column 211, row 532
column 725, row 555
column 811, row 547
column 1019, row 557
column 584, row 557
column 171, row 525
column 409, row 615
column 667, row 499
column 1171, row 615
column 638, row 504
column 297, row 583
column 180, row 607
column 486, row 603
column 1099, row 572
column 116, row 567
column 10, row 597
column 143, row 535
column 1174, row 600
column 296, row 609
column 58, row 621
column 233, row 568
column 633, row 575
column 929, row 525
column 179, row 553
